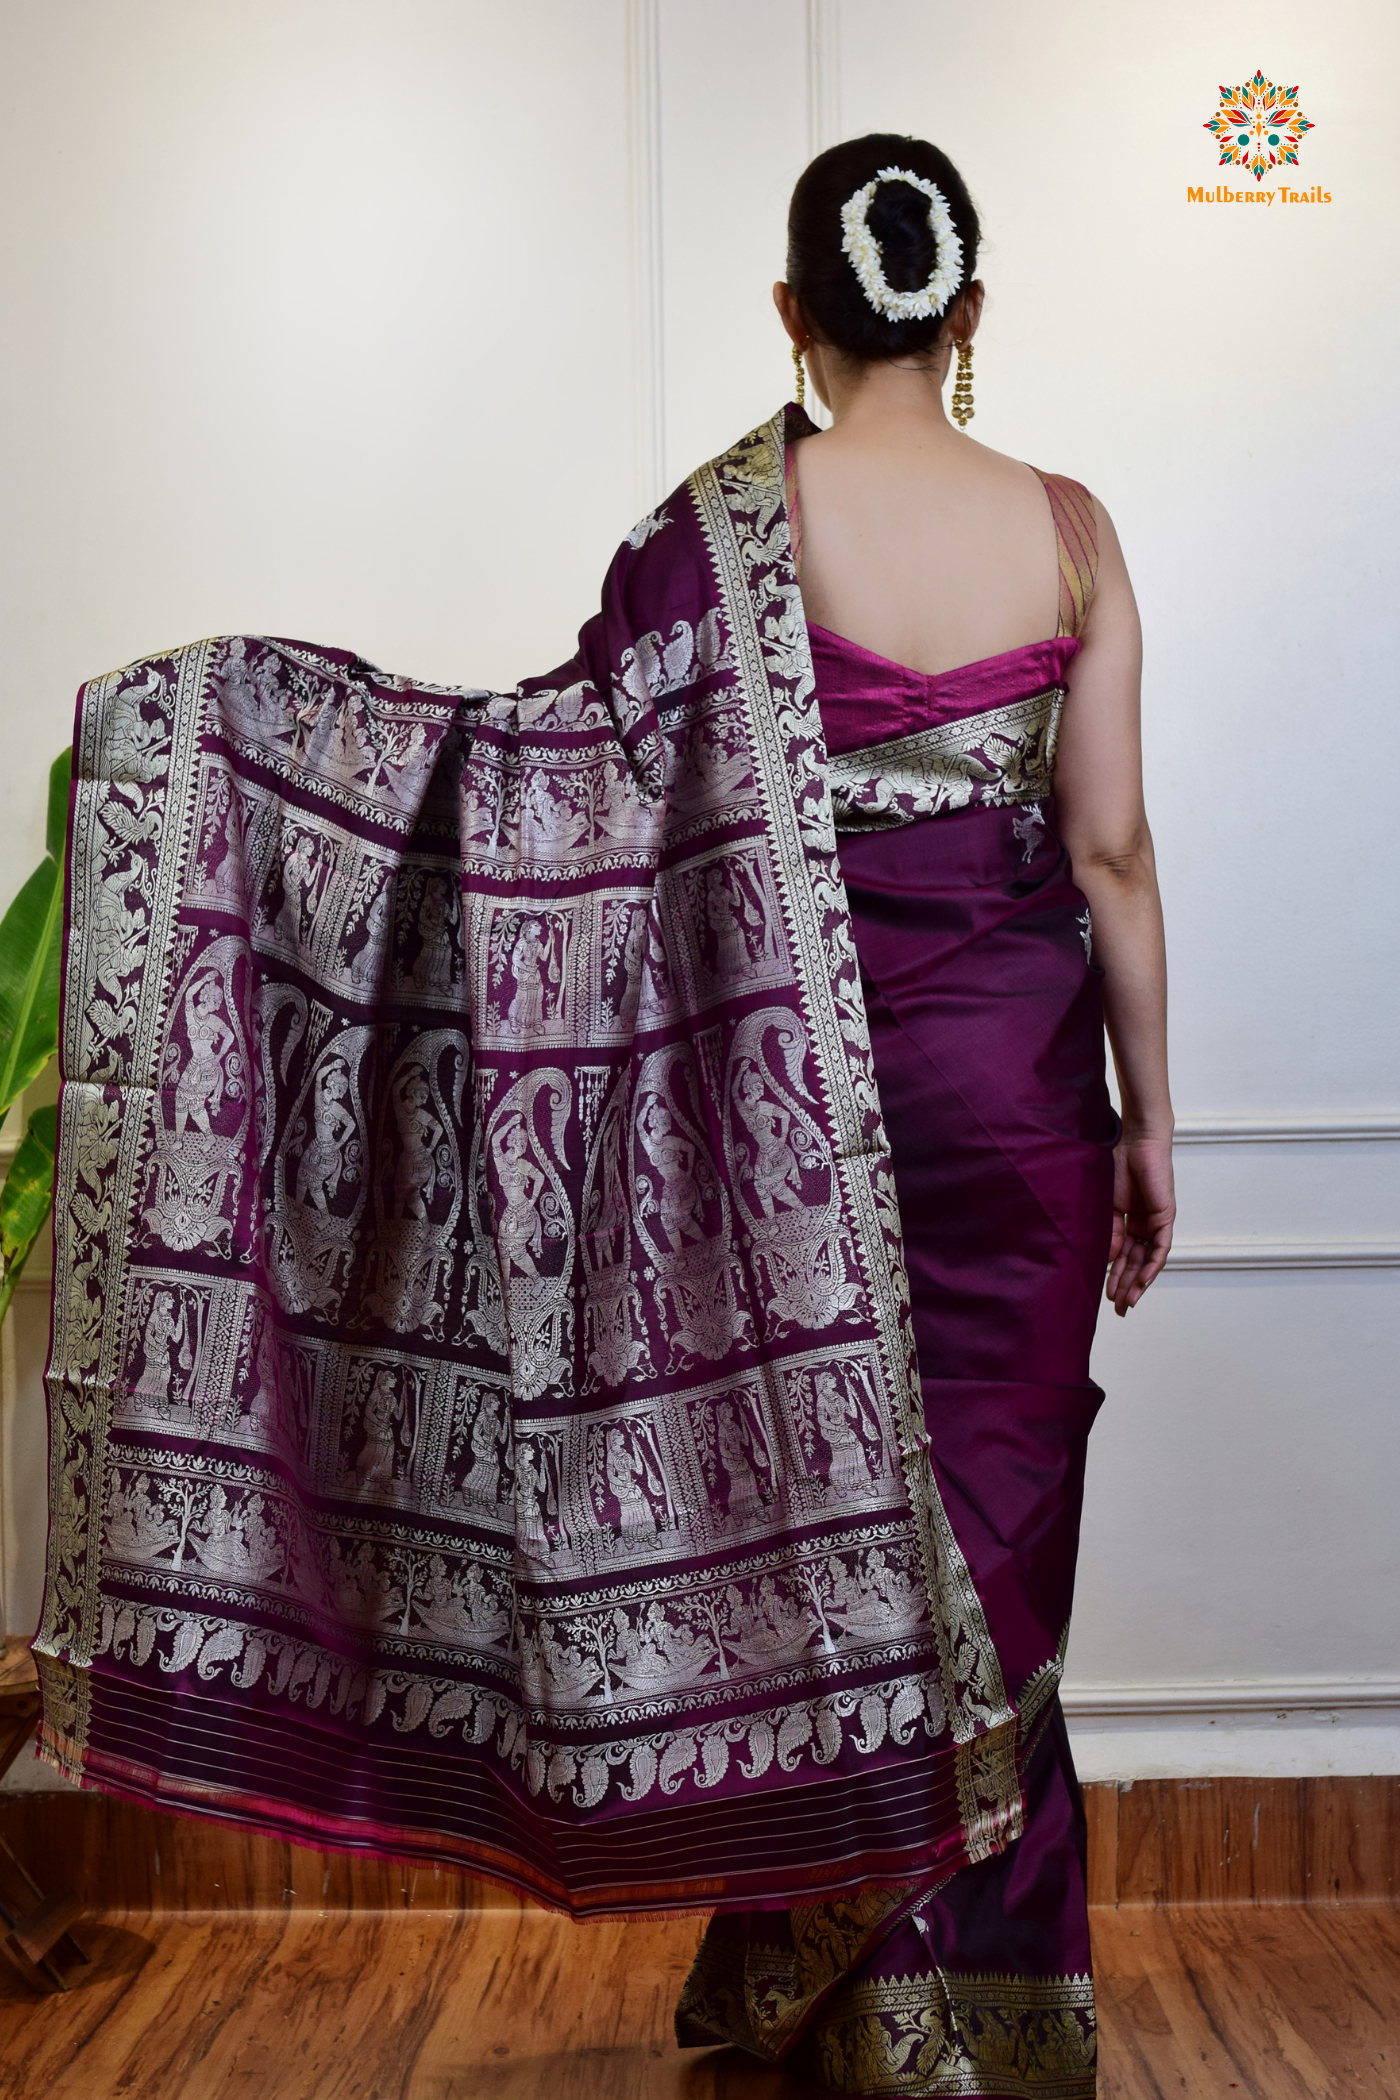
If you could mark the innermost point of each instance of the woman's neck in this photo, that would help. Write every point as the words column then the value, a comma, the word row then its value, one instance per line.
column 885, row 404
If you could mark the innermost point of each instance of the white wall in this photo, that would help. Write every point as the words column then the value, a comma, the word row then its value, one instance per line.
column 379, row 325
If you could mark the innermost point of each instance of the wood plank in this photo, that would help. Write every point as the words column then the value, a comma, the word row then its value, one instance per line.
column 116, row 1854
column 1278, row 2003
column 16, row 1728
column 1223, row 1841
column 1352, row 1840
column 1101, row 1814
column 1370, row 2010
column 1211, row 1842
column 19, row 1700
column 1275, row 2003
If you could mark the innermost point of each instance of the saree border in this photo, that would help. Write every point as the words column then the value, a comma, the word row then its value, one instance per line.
column 86, row 1324
column 1003, row 756
column 1021, row 2037
column 763, row 1997
column 741, row 501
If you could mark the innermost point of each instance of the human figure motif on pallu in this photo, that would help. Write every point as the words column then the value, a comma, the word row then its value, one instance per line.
column 482, row 1374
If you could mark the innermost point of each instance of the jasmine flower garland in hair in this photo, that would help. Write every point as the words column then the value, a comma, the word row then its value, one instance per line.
column 863, row 251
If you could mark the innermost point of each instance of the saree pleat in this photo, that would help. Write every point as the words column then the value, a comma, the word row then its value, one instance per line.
column 958, row 1999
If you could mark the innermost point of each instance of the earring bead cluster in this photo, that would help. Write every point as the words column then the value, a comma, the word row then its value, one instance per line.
column 962, row 409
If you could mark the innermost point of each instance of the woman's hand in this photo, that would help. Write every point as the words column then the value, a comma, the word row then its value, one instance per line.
column 1144, row 1211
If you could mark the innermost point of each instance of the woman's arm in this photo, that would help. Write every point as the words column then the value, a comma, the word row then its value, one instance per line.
column 1098, row 791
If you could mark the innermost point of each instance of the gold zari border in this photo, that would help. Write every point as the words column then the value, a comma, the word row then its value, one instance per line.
column 758, row 1993
column 946, row 2034
column 1003, row 756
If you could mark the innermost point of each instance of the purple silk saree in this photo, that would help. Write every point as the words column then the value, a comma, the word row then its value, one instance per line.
column 486, row 1418
column 986, row 1030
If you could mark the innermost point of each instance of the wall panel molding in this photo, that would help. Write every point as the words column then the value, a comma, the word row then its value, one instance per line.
column 1241, row 1255
column 1280, row 1696
column 1380, row 1127
column 823, row 75
column 648, row 251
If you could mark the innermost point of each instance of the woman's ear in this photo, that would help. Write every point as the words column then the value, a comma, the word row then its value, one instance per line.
column 790, row 312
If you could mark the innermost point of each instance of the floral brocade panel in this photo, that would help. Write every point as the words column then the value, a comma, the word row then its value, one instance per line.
column 1003, row 755
column 479, row 1314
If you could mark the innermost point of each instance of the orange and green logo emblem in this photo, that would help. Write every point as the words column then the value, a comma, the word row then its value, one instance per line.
column 1258, row 126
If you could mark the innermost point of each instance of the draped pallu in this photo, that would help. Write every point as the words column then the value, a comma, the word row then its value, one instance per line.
column 486, row 1417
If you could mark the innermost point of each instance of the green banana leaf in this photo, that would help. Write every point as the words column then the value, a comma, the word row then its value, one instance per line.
column 31, row 937
column 25, row 1199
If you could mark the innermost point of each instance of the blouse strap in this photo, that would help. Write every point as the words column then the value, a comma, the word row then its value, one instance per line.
column 1077, row 539
column 794, row 506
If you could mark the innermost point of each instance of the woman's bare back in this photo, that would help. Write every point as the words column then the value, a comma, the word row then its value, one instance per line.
column 924, row 546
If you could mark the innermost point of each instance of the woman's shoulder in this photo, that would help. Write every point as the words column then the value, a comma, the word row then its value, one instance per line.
column 1078, row 522
column 1066, row 486
column 1006, row 467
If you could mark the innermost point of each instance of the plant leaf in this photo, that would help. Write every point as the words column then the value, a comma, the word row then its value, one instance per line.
column 56, row 831
column 31, row 938
column 26, row 1199
column 29, row 958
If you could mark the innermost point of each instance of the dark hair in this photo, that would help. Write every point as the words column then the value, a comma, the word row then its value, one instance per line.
column 821, row 274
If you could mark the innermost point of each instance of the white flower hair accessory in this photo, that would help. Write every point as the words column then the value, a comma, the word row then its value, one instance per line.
column 863, row 251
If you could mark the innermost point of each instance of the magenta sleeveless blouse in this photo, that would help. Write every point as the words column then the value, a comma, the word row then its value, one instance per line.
column 869, row 699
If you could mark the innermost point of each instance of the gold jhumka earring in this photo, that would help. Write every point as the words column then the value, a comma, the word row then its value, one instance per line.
column 962, row 388
column 801, row 370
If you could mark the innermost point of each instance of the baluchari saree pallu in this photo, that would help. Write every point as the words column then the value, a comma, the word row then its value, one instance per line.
column 485, row 1419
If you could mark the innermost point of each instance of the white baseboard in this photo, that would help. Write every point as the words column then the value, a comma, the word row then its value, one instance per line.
column 1242, row 1695
column 1291, row 1728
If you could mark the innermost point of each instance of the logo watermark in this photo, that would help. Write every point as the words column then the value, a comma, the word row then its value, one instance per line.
column 1221, row 195
column 1258, row 127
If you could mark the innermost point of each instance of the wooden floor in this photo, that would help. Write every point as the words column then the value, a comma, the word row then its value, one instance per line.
column 1290, row 2002
column 1160, row 1841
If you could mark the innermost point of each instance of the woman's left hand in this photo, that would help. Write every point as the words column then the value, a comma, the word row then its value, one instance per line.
column 1144, row 1212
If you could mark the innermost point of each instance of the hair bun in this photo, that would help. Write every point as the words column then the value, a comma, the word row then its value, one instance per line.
column 820, row 271
column 898, row 218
